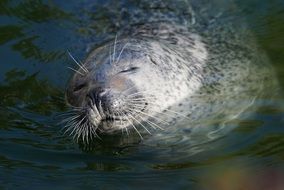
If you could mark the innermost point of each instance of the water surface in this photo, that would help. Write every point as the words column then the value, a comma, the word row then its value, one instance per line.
column 34, row 154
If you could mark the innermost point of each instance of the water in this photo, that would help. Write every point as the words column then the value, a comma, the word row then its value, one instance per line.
column 34, row 38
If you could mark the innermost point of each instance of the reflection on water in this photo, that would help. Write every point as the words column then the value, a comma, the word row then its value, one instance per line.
column 34, row 38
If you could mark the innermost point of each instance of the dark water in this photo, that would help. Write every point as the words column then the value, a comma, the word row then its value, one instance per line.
column 34, row 154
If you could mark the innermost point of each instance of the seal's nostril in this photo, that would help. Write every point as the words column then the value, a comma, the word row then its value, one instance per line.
column 98, row 92
column 109, row 100
column 102, row 93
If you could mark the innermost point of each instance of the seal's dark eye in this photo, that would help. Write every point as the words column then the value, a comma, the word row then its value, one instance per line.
column 79, row 87
column 131, row 69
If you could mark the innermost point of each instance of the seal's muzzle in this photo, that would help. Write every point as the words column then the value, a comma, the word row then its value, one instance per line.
column 110, row 101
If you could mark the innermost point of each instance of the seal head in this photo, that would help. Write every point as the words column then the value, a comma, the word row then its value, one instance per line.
column 133, row 81
column 163, row 74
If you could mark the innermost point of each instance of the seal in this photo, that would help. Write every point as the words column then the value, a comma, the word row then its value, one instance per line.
column 160, row 75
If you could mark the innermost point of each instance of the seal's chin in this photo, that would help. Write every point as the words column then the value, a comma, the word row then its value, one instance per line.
column 107, row 124
column 112, row 126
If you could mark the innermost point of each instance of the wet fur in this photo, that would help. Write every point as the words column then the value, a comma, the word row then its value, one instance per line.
column 183, row 75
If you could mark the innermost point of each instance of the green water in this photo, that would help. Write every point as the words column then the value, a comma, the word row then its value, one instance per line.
column 34, row 154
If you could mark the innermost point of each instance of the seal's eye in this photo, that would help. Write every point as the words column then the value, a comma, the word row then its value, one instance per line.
column 131, row 69
column 79, row 87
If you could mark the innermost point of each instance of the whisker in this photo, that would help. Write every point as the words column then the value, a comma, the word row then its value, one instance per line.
column 138, row 93
column 86, row 133
column 140, row 124
column 122, row 49
column 81, row 133
column 180, row 114
column 148, row 98
column 121, row 122
column 78, row 132
column 137, row 102
column 113, row 57
column 94, row 129
column 75, row 107
column 110, row 59
column 134, row 128
column 68, row 122
column 126, row 131
column 71, row 118
column 143, row 120
column 164, row 109
column 76, row 71
column 157, row 112
column 67, row 127
column 81, row 66
column 77, row 126
column 130, row 109
column 116, row 113
column 67, row 114
column 133, row 86
column 152, row 123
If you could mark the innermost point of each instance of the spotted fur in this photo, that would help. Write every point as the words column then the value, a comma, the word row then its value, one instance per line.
column 175, row 73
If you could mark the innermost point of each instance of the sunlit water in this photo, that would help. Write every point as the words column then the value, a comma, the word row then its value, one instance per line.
column 34, row 153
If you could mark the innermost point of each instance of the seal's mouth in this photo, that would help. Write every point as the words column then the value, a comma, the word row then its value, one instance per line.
column 109, row 123
column 93, row 119
column 112, row 119
column 124, row 118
